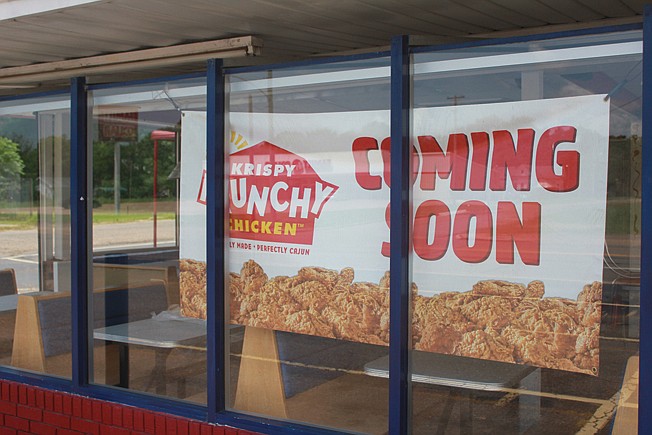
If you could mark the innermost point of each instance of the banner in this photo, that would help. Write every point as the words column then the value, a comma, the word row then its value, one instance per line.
column 509, row 205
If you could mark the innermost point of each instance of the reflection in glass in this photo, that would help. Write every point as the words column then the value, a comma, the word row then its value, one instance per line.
column 309, row 294
column 35, row 235
column 142, row 341
column 534, row 325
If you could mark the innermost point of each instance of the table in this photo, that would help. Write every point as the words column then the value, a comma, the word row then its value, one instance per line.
column 168, row 333
column 163, row 335
column 455, row 371
column 469, row 374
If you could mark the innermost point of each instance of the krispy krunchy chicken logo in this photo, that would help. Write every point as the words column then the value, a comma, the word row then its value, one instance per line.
column 274, row 195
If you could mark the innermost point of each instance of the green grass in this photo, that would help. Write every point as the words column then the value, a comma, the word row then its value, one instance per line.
column 618, row 218
column 25, row 221
column 18, row 221
column 112, row 218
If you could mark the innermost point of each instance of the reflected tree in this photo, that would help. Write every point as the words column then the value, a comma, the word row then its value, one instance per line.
column 11, row 169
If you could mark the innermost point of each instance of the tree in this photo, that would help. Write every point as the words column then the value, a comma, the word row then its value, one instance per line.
column 11, row 168
column 136, row 169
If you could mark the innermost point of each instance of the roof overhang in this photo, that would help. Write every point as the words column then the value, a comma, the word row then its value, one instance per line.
column 45, row 42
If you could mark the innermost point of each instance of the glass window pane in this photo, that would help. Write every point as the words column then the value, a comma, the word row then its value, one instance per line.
column 35, row 234
column 309, row 300
column 527, row 236
column 141, row 340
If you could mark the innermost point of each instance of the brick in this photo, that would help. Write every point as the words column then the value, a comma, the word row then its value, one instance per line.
column 218, row 430
column 31, row 397
column 40, row 399
column 206, row 429
column 85, row 426
column 195, row 428
column 13, row 392
column 116, row 419
column 58, row 403
column 128, row 418
column 76, row 407
column 68, row 432
column 112, row 430
column 171, row 425
column 139, row 420
column 97, row 410
column 183, row 427
column 59, row 420
column 42, row 429
column 8, row 408
column 149, row 423
column 7, row 431
column 107, row 413
column 22, row 394
column 232, row 431
column 87, row 409
column 49, row 400
column 67, row 404
column 17, row 423
column 29, row 413
column 160, row 422
column 4, row 391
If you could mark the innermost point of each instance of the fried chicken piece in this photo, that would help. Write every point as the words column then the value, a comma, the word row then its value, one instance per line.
column 192, row 279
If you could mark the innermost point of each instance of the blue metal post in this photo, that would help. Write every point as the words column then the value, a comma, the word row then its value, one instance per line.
column 400, row 218
column 215, row 281
column 80, row 231
column 645, row 393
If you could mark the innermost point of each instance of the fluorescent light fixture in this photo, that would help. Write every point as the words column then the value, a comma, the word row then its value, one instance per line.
column 540, row 57
column 132, row 60
column 537, row 59
column 29, row 106
column 147, row 96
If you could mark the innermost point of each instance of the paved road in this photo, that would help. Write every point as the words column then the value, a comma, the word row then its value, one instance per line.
column 19, row 248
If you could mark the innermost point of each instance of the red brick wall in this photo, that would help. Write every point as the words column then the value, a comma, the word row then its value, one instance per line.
column 30, row 410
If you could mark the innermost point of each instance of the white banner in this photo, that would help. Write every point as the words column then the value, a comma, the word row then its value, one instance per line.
column 509, row 200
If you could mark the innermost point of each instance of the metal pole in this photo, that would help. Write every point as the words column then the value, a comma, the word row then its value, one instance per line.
column 155, row 189
column 116, row 177
column 400, row 344
column 81, row 240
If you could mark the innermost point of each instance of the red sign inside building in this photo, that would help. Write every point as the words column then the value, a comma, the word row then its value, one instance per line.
column 119, row 126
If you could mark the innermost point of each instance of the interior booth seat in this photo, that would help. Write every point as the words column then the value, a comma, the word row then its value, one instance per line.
column 42, row 339
column 8, row 284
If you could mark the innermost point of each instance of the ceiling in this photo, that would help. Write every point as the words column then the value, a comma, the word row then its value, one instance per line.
column 36, row 31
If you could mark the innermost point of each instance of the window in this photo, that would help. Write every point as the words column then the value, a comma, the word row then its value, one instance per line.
column 526, row 235
column 35, row 234
column 308, row 306
column 140, row 173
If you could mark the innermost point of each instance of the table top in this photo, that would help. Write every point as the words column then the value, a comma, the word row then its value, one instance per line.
column 167, row 333
column 456, row 371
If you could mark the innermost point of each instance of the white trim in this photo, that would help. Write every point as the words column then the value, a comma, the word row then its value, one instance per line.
column 132, row 60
